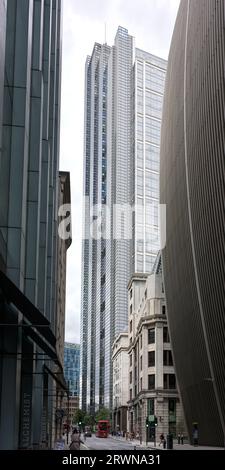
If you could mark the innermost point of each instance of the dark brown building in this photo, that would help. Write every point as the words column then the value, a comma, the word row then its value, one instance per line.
column 193, row 188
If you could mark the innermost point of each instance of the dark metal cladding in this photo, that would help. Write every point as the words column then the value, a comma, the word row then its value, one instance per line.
column 192, row 186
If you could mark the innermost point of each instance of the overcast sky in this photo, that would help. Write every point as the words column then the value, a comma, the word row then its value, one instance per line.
column 151, row 22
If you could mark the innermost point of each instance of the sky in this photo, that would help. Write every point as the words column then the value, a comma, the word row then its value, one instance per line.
column 85, row 22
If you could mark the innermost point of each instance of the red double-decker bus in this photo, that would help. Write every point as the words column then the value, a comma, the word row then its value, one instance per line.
column 103, row 427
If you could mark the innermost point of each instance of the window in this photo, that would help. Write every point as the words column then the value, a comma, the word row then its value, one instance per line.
column 139, row 100
column 151, row 185
column 151, row 358
column 130, row 394
column 152, row 212
column 103, row 280
column 172, row 410
column 131, row 293
column 140, row 128
column 130, row 359
column 130, row 377
column 130, row 326
column 140, row 162
column 141, row 340
column 169, row 381
column 140, row 238
column 167, row 358
column 164, row 310
column 130, row 308
column 141, row 383
column 151, row 381
column 151, row 157
column 139, row 74
column 140, row 262
column 152, row 131
column 145, row 293
column 154, row 78
column 152, row 238
column 153, row 104
column 140, row 182
column 151, row 406
column 149, row 262
column 141, row 362
column 166, row 338
column 151, row 335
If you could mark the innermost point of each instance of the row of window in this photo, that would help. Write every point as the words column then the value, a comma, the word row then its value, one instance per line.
column 152, row 130
column 171, row 408
column 151, row 156
column 169, row 383
column 153, row 103
column 167, row 359
column 154, row 77
column 151, row 214
column 151, row 331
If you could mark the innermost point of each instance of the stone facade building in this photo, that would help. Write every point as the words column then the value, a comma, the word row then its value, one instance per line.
column 120, row 366
column 154, row 406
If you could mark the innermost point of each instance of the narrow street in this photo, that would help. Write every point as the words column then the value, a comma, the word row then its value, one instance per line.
column 109, row 443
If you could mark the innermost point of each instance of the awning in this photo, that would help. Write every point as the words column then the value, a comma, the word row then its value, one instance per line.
column 58, row 377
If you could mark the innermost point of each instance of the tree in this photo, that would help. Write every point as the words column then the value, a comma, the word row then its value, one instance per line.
column 103, row 413
column 89, row 420
column 79, row 416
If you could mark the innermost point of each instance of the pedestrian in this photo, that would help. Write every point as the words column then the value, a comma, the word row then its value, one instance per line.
column 75, row 441
column 161, row 439
column 195, row 437
column 182, row 438
column 178, row 438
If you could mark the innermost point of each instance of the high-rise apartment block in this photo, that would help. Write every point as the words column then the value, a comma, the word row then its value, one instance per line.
column 123, row 104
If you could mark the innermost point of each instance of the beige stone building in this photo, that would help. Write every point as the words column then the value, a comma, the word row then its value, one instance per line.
column 120, row 382
column 154, row 406
column 60, row 393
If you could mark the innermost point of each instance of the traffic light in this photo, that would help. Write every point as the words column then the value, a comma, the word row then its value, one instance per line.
column 146, row 423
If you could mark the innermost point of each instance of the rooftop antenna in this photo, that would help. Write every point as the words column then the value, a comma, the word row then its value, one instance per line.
column 105, row 34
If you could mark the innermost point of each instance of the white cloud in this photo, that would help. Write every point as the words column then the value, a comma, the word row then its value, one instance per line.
column 151, row 22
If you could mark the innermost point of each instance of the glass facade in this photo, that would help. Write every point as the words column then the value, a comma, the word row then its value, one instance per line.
column 123, row 104
column 149, row 81
column 72, row 367
column 30, row 90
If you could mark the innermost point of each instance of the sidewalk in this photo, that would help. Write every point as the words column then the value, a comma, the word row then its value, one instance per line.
column 186, row 446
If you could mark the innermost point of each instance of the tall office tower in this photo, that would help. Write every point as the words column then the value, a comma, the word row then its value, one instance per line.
column 93, row 275
column 30, row 71
column 121, row 154
column 72, row 377
column 192, row 186
column 149, row 80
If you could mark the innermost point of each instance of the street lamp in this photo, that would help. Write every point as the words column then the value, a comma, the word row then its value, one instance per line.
column 68, row 408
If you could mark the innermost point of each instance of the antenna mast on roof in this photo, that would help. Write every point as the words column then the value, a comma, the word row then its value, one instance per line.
column 105, row 34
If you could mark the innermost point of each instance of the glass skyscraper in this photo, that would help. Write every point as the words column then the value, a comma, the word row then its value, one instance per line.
column 72, row 367
column 123, row 104
column 30, row 89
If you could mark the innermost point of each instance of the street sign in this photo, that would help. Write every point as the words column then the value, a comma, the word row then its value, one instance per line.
column 151, row 418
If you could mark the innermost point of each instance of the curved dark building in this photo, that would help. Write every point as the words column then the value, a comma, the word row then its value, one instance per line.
column 193, row 188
